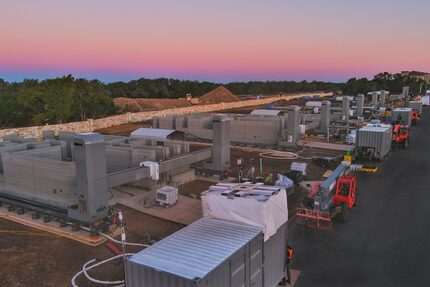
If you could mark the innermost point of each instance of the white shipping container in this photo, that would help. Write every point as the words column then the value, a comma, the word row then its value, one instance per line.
column 302, row 129
column 426, row 100
column 300, row 166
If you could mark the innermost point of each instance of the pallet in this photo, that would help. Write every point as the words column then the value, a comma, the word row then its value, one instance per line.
column 54, row 228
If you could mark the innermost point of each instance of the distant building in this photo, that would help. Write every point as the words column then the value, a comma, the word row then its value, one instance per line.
column 417, row 75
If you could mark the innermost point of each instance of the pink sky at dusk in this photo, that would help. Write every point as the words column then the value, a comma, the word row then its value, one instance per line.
column 212, row 40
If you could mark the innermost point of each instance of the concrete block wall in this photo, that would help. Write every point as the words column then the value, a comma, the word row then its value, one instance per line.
column 91, row 125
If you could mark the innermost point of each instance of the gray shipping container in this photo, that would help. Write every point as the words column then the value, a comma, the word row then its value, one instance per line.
column 209, row 253
column 405, row 114
column 416, row 105
column 378, row 137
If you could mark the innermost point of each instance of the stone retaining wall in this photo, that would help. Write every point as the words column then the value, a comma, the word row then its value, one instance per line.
column 91, row 125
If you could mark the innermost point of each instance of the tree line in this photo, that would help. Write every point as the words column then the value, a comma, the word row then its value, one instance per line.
column 65, row 99
column 384, row 81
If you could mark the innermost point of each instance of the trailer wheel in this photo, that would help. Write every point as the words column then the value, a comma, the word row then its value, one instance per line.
column 405, row 144
column 341, row 216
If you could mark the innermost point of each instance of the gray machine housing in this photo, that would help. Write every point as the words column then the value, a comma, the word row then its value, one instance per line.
column 70, row 178
column 416, row 105
column 211, row 253
column 273, row 129
column 221, row 126
column 402, row 114
column 360, row 105
column 376, row 137
column 91, row 178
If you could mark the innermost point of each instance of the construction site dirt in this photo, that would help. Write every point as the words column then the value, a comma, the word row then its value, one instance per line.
column 30, row 257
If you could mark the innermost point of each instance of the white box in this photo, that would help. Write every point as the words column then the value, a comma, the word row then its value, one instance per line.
column 166, row 196
column 300, row 166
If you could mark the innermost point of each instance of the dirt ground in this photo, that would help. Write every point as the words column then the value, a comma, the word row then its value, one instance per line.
column 47, row 260
column 194, row 188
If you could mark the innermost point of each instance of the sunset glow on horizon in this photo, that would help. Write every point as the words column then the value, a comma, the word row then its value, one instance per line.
column 219, row 40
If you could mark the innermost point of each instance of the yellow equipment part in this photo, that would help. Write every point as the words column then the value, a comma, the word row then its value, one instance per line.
column 347, row 158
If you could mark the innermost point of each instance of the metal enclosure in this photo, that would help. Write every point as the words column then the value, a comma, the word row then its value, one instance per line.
column 375, row 100
column 345, row 107
column 266, row 129
column 221, row 126
column 91, row 178
column 416, row 105
column 269, row 210
column 382, row 99
column 209, row 253
column 402, row 114
column 293, row 130
column 406, row 96
column 325, row 116
column 360, row 105
column 275, row 250
column 378, row 137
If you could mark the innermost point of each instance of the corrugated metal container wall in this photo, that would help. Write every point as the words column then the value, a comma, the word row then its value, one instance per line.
column 274, row 257
column 377, row 138
column 416, row 105
column 404, row 114
column 207, row 253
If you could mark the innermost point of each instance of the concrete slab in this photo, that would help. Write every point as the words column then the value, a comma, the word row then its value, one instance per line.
column 186, row 211
column 325, row 145
column 294, row 277
column 54, row 228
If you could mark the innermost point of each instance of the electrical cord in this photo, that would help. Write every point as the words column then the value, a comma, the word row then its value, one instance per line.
column 86, row 268
column 117, row 241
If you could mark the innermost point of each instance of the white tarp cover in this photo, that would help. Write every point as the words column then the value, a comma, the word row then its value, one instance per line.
column 269, row 215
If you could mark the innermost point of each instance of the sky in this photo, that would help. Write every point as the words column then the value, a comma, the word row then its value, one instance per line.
column 214, row 40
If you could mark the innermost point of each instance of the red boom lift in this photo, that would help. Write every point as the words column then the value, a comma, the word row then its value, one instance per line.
column 337, row 194
column 400, row 134
column 415, row 117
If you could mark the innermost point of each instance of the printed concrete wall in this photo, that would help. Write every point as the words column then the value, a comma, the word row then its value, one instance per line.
column 91, row 125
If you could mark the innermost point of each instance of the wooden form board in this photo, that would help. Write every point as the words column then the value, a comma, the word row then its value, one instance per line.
column 54, row 228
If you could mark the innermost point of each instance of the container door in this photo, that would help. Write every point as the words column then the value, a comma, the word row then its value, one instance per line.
column 238, row 269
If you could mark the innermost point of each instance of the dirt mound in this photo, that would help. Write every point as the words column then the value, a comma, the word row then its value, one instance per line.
column 144, row 105
column 219, row 95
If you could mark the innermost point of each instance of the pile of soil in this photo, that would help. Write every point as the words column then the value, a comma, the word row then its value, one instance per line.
column 144, row 105
column 125, row 129
column 219, row 95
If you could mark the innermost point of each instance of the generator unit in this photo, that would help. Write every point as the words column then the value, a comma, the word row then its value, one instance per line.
column 166, row 196
column 402, row 115
column 374, row 141
column 417, row 106
column 300, row 166
column 228, row 247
